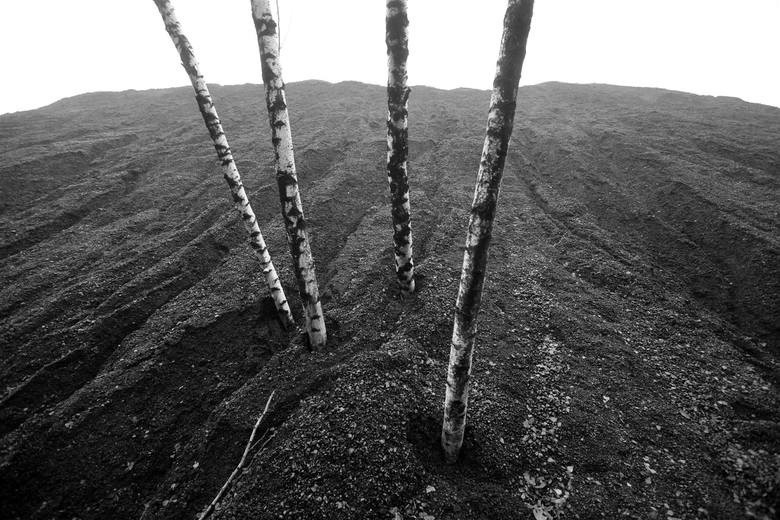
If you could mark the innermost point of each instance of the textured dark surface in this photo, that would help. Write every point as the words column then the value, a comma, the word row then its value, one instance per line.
column 632, row 295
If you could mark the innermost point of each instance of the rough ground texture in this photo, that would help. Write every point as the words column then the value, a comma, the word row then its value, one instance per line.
column 627, row 361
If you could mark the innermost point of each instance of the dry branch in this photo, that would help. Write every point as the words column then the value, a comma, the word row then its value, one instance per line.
column 249, row 445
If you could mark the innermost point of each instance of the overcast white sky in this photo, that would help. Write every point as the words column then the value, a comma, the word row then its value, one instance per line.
column 54, row 48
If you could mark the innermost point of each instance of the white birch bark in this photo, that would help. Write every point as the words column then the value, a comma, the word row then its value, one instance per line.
column 286, row 176
column 225, row 156
column 517, row 23
column 397, row 40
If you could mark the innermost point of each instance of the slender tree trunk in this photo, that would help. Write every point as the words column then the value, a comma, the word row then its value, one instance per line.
column 229, row 169
column 397, row 39
column 286, row 177
column 517, row 23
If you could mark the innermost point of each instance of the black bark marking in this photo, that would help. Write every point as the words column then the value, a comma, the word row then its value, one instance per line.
column 278, row 104
column 234, row 185
column 267, row 26
column 458, row 409
column 406, row 267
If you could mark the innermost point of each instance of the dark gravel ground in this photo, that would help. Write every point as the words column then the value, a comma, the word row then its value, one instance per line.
column 627, row 363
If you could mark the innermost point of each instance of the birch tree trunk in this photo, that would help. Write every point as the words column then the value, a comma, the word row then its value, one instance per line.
column 397, row 40
column 286, row 176
column 517, row 23
column 225, row 156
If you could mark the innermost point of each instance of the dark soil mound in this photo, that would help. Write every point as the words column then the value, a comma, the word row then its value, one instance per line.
column 628, row 353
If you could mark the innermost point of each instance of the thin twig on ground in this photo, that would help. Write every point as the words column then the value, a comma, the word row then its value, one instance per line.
column 262, row 447
column 249, row 445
